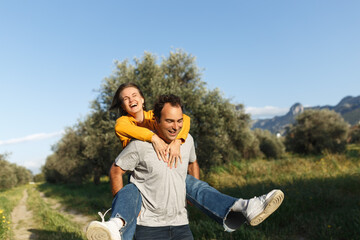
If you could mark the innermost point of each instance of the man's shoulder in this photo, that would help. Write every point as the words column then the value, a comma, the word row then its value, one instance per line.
column 135, row 143
column 189, row 140
column 189, row 137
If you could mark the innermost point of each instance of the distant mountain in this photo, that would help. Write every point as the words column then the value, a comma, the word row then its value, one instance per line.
column 348, row 108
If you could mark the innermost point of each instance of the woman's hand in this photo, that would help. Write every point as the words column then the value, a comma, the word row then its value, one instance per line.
column 161, row 148
column 174, row 153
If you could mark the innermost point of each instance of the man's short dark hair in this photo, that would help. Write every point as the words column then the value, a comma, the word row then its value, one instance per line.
column 166, row 98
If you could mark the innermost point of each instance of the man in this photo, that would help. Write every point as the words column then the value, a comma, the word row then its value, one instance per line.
column 163, row 190
column 163, row 213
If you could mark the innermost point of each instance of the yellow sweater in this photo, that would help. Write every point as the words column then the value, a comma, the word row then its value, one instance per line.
column 127, row 128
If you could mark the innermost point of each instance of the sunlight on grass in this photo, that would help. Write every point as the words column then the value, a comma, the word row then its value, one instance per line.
column 322, row 197
column 50, row 223
column 283, row 170
column 8, row 200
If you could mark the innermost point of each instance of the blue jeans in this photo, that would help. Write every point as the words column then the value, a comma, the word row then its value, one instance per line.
column 127, row 205
column 163, row 233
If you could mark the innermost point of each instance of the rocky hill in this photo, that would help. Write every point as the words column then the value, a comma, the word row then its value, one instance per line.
column 348, row 108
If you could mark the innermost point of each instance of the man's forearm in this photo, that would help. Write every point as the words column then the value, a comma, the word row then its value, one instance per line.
column 116, row 179
column 194, row 169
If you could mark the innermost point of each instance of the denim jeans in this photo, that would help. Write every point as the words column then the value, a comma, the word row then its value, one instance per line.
column 213, row 203
column 127, row 205
column 163, row 233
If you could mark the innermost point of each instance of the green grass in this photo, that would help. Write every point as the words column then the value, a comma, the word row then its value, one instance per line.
column 50, row 224
column 322, row 197
column 8, row 200
column 86, row 198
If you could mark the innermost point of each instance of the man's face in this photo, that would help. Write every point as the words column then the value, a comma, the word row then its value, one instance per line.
column 170, row 123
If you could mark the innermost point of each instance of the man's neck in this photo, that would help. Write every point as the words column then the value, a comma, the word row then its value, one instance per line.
column 160, row 135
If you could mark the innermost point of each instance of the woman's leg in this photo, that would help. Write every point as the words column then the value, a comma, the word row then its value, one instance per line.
column 213, row 203
column 122, row 223
column 126, row 205
column 229, row 211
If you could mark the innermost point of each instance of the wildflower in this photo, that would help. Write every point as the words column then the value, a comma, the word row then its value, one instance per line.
column 4, row 217
column 1, row 211
column 329, row 226
column 4, row 221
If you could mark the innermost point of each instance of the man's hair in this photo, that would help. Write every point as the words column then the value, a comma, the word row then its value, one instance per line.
column 117, row 101
column 174, row 100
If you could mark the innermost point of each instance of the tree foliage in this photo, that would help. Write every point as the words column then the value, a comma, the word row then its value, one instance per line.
column 86, row 150
column 270, row 145
column 316, row 131
column 221, row 129
column 12, row 175
column 354, row 135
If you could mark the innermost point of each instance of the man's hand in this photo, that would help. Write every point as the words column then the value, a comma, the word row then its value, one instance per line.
column 161, row 148
column 174, row 153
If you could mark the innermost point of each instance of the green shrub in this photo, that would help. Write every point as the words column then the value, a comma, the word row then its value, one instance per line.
column 270, row 145
column 316, row 131
column 354, row 135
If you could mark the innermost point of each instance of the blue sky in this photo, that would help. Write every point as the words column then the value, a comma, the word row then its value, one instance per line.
column 265, row 54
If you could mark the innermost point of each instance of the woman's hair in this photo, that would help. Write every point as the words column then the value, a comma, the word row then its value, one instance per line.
column 117, row 100
column 174, row 100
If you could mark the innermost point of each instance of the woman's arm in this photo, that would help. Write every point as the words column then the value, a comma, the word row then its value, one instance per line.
column 185, row 129
column 174, row 146
column 126, row 128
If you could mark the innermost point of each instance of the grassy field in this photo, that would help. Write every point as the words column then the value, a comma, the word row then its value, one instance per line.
column 322, row 199
column 51, row 224
column 8, row 200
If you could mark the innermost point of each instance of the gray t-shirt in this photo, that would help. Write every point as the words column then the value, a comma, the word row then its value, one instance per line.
column 163, row 190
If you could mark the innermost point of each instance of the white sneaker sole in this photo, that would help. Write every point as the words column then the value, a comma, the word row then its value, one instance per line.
column 273, row 203
column 97, row 231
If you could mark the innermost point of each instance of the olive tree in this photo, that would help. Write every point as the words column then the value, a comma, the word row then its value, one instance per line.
column 221, row 129
column 270, row 145
column 317, row 130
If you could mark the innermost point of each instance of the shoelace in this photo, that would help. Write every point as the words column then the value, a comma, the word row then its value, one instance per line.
column 262, row 198
column 103, row 215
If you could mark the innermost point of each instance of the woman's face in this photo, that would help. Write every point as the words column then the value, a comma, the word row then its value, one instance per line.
column 132, row 101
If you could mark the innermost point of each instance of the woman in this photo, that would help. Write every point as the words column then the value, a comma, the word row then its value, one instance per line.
column 138, row 123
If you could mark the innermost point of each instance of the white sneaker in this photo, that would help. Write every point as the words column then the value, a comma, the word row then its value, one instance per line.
column 108, row 230
column 259, row 208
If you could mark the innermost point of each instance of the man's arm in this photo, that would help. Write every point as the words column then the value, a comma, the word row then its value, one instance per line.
column 116, row 179
column 194, row 169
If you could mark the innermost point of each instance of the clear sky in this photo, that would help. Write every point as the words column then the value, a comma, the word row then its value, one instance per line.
column 264, row 54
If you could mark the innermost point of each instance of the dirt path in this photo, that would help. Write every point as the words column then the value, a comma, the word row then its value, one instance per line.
column 22, row 220
column 76, row 217
column 22, row 217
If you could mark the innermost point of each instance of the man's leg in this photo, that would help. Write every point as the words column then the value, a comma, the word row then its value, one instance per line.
column 228, row 211
column 152, row 233
column 181, row 233
column 163, row 233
